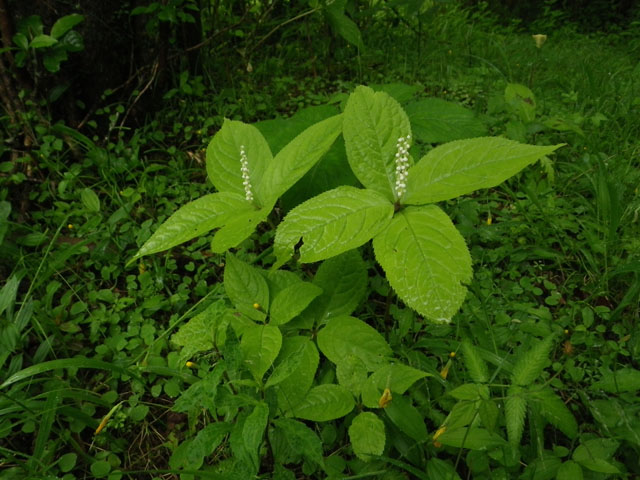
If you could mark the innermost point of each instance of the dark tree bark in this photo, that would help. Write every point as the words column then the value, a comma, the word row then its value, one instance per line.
column 10, row 82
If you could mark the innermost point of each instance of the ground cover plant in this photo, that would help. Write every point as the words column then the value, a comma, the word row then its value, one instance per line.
column 423, row 263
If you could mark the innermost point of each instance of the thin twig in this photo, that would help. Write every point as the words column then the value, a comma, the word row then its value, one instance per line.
column 286, row 22
column 207, row 40
column 154, row 73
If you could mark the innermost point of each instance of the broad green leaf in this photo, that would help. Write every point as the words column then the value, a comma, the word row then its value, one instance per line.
column 42, row 41
column 544, row 467
column 253, row 432
column 64, row 24
column 205, row 442
column 521, row 100
column 261, row 346
column 373, row 123
column 344, row 281
column 515, row 410
column 324, row 403
column 612, row 413
column 202, row 394
column 596, row 454
column 198, row 334
column 246, row 287
column 367, row 435
column 599, row 465
column 294, row 387
column 178, row 458
column 286, row 365
column 470, row 391
column 463, row 166
column 53, row 58
column 344, row 26
column 434, row 120
column 304, row 440
column 278, row 280
column 473, row 438
column 280, row 131
column 569, row 470
column 351, row 373
column 554, row 410
column 401, row 92
column 67, row 462
column 90, row 200
column 603, row 448
column 72, row 42
column 331, row 223
column 100, row 468
column 239, row 323
column 21, row 41
column 245, row 462
column 530, row 365
column 297, row 157
column 283, row 451
column 461, row 415
column 394, row 376
column 440, row 470
column 291, row 301
column 194, row 219
column 330, row 172
column 489, row 413
column 344, row 336
column 407, row 418
column 237, row 229
column 223, row 158
column 626, row 379
column 426, row 261
column 476, row 366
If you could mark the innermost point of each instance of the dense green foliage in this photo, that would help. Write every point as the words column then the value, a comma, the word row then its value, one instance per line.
column 198, row 296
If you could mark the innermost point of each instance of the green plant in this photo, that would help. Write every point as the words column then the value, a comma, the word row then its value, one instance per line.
column 31, row 42
column 276, row 315
column 249, row 181
column 424, row 256
column 173, row 366
column 174, row 11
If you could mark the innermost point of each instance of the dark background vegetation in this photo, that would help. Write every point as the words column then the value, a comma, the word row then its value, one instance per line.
column 125, row 54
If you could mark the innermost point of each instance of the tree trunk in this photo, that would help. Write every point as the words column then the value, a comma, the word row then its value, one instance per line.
column 9, row 85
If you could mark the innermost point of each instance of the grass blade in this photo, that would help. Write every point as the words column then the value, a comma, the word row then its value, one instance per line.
column 44, row 428
column 66, row 363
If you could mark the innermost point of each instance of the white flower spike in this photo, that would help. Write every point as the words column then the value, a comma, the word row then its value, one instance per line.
column 246, row 180
column 402, row 165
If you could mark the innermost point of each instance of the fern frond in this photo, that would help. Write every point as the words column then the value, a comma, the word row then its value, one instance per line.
column 530, row 365
column 476, row 366
column 555, row 412
column 515, row 410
